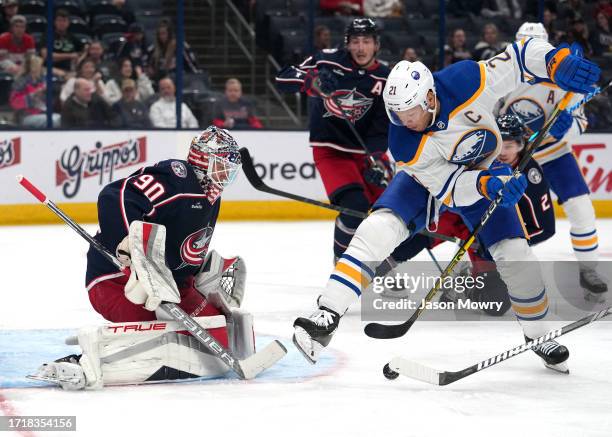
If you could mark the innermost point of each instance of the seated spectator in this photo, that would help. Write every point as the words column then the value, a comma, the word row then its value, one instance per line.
column 489, row 46
column 232, row 111
column 162, row 56
column 95, row 52
column 322, row 38
column 601, row 37
column 28, row 96
column 501, row 8
column 85, row 109
column 87, row 71
column 342, row 7
column 410, row 55
column 456, row 50
column 125, row 71
column 604, row 6
column 131, row 113
column 579, row 33
column 15, row 45
column 67, row 49
column 383, row 8
column 163, row 112
column 10, row 8
column 135, row 46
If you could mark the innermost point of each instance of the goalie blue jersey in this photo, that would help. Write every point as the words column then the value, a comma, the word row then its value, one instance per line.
column 167, row 193
column 359, row 93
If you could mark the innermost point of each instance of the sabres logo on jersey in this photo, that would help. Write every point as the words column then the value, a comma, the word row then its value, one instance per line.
column 474, row 147
column 530, row 111
column 195, row 247
column 353, row 105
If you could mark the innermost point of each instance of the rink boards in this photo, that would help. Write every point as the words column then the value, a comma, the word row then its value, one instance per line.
column 72, row 167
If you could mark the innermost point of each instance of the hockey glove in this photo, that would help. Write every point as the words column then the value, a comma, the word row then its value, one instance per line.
column 498, row 181
column 319, row 83
column 571, row 72
column 379, row 172
column 562, row 125
column 226, row 277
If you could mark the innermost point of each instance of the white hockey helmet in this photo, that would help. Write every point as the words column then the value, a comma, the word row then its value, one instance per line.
column 407, row 87
column 532, row 30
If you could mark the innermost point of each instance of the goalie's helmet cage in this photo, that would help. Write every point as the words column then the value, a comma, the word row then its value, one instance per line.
column 511, row 127
column 361, row 27
column 215, row 158
column 532, row 30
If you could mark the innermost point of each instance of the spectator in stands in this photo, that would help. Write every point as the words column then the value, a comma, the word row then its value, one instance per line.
column 95, row 52
column 125, row 70
column 410, row 55
column 383, row 8
column 501, row 8
column 161, row 54
column 125, row 10
column 601, row 37
column 85, row 109
column 163, row 111
column 15, row 45
column 233, row 111
column 489, row 46
column 464, row 8
column 10, row 8
column 86, row 70
column 604, row 6
column 571, row 10
column 131, row 113
column 67, row 49
column 29, row 93
column 342, row 7
column 579, row 33
column 456, row 50
column 135, row 46
column 549, row 18
column 322, row 38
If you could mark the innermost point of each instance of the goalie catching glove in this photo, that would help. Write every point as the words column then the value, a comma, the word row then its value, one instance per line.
column 222, row 277
column 151, row 281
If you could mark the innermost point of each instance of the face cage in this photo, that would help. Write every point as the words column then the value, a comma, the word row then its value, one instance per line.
column 221, row 170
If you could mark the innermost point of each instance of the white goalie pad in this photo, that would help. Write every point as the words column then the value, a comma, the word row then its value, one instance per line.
column 151, row 281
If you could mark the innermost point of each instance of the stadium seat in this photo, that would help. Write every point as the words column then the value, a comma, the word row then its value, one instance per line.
column 36, row 23
column 32, row 7
column 412, row 9
column 78, row 25
column 293, row 46
column 72, row 6
column 429, row 8
column 392, row 24
column 398, row 41
column 424, row 24
column 279, row 24
column 6, row 82
column 111, row 41
column 464, row 23
column 102, row 7
column 83, row 38
column 103, row 24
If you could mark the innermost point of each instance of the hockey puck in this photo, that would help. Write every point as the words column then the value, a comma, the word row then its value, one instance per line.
column 389, row 374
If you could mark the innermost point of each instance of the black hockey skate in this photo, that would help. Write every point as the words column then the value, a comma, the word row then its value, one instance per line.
column 313, row 333
column 553, row 354
column 593, row 285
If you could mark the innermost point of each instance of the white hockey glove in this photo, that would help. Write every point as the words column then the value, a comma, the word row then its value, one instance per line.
column 151, row 281
column 123, row 252
column 222, row 277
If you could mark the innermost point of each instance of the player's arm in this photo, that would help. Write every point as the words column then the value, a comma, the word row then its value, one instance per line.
column 307, row 78
column 536, row 206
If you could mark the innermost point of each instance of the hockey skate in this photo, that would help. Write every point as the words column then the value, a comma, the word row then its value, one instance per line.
column 553, row 354
column 593, row 285
column 65, row 372
column 314, row 333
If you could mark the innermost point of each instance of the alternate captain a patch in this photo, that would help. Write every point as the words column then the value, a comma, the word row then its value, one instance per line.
column 474, row 147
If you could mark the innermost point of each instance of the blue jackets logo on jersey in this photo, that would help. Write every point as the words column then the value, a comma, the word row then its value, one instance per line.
column 195, row 247
column 354, row 105
column 474, row 147
column 530, row 111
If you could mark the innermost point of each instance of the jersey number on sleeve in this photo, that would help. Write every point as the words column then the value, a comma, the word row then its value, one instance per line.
column 545, row 202
column 151, row 189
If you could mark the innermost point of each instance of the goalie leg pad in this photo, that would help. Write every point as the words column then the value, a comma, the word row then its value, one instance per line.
column 141, row 352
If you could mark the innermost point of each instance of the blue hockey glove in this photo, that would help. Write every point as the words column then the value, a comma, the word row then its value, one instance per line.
column 498, row 181
column 319, row 83
column 562, row 125
column 379, row 172
column 571, row 72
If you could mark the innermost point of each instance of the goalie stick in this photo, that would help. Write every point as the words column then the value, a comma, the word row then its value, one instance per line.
column 248, row 368
column 256, row 182
column 381, row 331
column 401, row 366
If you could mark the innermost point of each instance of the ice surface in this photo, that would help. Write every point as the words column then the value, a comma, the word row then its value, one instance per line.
column 42, row 288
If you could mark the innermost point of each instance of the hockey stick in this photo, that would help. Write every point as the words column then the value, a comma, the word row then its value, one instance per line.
column 401, row 366
column 245, row 369
column 378, row 330
column 251, row 174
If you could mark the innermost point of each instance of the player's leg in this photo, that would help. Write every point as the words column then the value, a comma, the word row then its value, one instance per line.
column 344, row 186
column 518, row 267
column 566, row 180
column 373, row 241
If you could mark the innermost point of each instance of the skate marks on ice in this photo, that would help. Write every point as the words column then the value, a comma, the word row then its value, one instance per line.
column 23, row 351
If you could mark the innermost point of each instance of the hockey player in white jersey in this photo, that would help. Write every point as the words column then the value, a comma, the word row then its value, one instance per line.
column 534, row 103
column 433, row 118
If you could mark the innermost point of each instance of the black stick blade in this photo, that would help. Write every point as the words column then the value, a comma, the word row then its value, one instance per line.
column 385, row 332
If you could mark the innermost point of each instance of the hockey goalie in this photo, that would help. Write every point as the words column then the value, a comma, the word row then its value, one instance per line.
column 159, row 221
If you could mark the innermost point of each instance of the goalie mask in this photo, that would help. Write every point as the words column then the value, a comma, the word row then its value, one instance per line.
column 215, row 159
